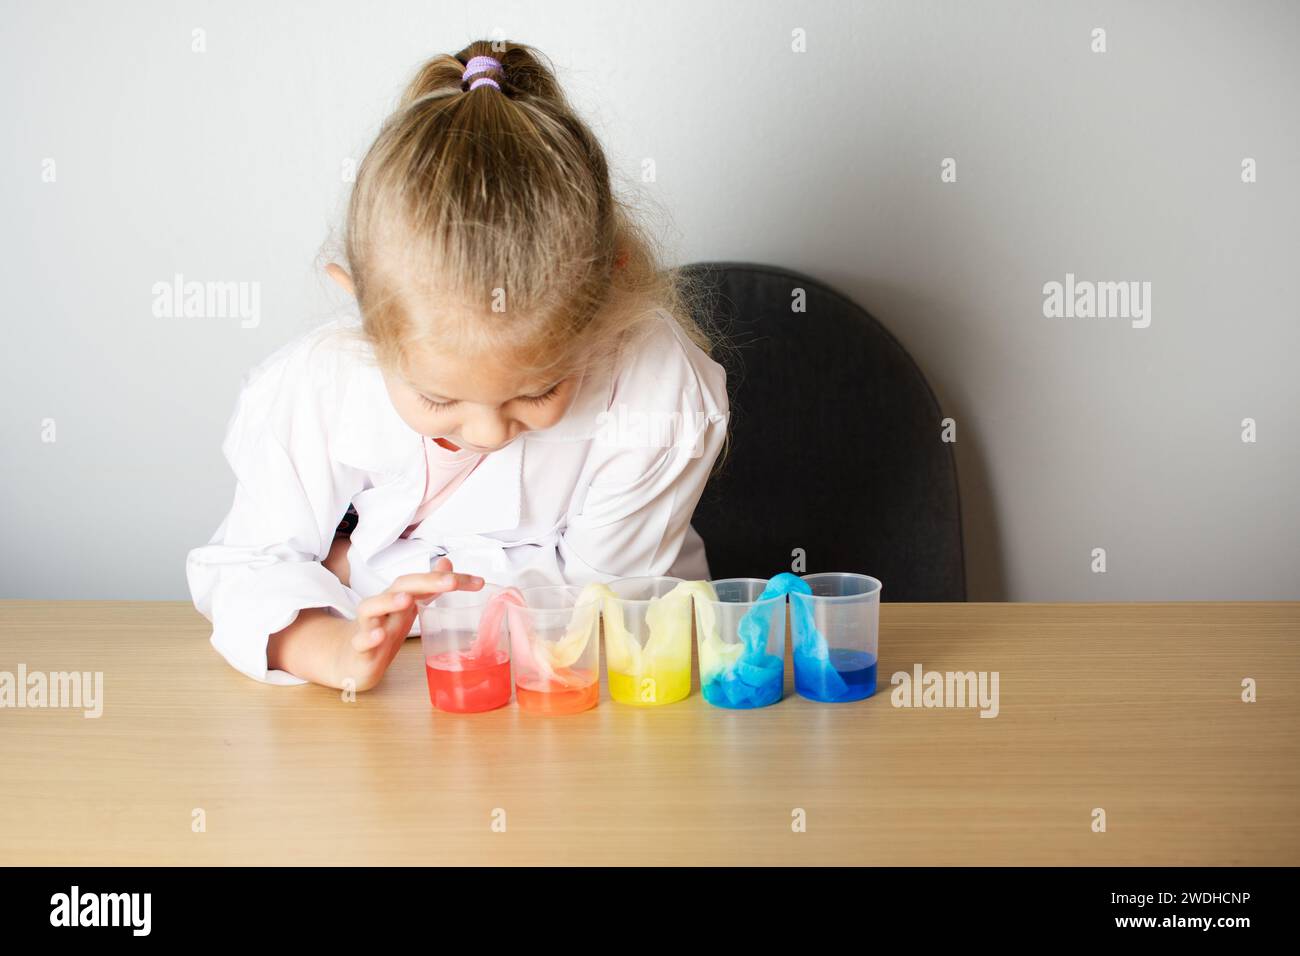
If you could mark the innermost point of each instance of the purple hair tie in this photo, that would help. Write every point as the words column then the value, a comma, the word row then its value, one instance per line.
column 481, row 64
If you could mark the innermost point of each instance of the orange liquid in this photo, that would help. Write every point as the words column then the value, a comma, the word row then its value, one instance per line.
column 553, row 697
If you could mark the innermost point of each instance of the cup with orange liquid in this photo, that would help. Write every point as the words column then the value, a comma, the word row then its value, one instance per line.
column 466, row 650
column 555, row 643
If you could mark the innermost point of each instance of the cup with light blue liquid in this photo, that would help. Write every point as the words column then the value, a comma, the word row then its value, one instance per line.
column 741, row 641
column 835, row 632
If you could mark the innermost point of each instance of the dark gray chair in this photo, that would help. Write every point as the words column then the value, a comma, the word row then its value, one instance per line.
column 835, row 442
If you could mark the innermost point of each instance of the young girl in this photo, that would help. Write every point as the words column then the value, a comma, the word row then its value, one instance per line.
column 519, row 392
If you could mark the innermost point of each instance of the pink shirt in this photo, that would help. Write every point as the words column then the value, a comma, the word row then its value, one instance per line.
column 445, row 471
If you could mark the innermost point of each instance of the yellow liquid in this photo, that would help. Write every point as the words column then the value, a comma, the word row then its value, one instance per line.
column 660, row 686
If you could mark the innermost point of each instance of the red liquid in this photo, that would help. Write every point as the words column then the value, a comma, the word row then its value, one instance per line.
column 465, row 686
column 553, row 697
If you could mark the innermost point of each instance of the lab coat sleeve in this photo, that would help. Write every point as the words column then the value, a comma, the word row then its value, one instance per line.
column 262, row 566
column 649, row 466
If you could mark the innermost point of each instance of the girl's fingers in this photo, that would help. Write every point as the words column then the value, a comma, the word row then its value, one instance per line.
column 389, row 627
column 374, row 616
column 395, row 608
column 437, row 582
column 382, row 604
column 369, row 640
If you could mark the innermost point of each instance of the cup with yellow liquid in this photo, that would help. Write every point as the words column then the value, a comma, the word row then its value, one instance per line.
column 647, row 628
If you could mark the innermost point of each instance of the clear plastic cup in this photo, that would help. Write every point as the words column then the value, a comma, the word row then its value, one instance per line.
column 466, row 650
column 555, row 644
column 834, row 634
column 742, row 645
column 648, row 642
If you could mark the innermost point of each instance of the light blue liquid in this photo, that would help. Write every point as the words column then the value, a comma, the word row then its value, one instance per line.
column 755, row 681
column 852, row 676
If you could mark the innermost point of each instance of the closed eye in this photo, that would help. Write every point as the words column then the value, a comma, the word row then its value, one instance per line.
column 540, row 399
column 543, row 398
column 437, row 406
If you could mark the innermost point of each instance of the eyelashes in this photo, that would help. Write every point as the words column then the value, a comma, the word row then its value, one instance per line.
column 541, row 399
column 435, row 406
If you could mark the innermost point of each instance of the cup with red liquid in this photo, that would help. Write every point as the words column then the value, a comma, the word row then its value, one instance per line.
column 466, row 644
column 555, row 643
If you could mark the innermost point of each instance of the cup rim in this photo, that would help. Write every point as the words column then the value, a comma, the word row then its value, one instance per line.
column 754, row 603
column 564, row 611
column 489, row 590
column 871, row 592
column 576, row 589
column 642, row 577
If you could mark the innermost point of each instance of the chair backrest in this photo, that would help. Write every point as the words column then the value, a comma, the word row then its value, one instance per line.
column 835, row 443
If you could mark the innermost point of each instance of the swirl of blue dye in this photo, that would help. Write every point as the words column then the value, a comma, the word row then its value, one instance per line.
column 812, row 656
column 756, row 679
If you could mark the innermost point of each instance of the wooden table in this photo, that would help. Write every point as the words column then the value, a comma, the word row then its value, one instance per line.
column 1132, row 708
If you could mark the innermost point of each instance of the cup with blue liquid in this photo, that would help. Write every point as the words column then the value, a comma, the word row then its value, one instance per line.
column 741, row 640
column 834, row 633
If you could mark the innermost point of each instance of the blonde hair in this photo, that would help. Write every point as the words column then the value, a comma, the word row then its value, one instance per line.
column 485, row 218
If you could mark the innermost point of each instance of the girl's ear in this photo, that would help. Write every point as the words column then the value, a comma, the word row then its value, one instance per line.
column 344, row 280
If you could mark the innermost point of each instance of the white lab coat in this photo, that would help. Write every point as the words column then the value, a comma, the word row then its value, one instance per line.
column 606, row 492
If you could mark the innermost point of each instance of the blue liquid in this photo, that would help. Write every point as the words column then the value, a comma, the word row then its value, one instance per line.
column 849, row 675
column 755, row 681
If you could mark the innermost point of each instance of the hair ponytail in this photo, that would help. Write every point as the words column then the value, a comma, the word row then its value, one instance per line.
column 468, row 197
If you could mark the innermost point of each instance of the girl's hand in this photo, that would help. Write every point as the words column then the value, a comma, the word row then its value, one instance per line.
column 383, row 621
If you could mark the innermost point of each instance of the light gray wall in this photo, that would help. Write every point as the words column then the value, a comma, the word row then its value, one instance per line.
column 1073, row 434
